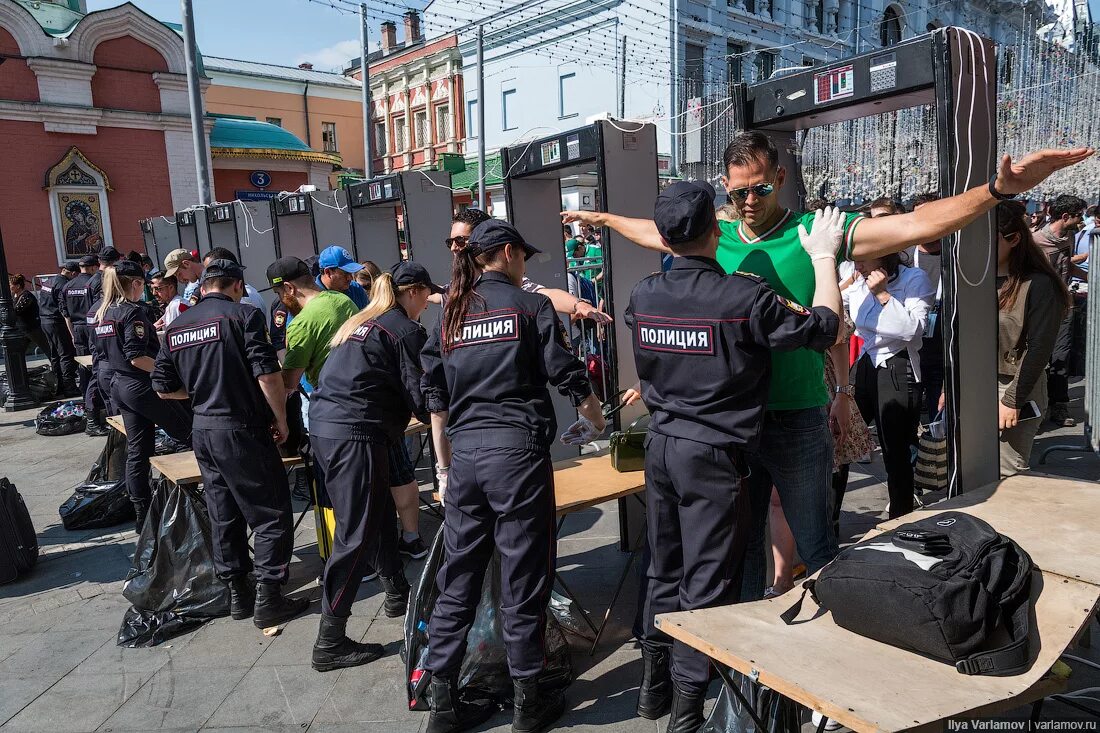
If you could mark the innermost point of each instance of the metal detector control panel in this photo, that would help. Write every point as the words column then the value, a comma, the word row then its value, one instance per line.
column 886, row 80
column 219, row 213
column 376, row 191
column 552, row 153
column 295, row 203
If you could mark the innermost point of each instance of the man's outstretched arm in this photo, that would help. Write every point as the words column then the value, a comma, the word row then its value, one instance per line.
column 937, row 219
column 642, row 232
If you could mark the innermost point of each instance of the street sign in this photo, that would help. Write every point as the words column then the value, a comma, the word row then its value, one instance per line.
column 254, row 195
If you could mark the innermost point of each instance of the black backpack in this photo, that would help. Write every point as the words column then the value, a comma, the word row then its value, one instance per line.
column 948, row 587
column 18, row 542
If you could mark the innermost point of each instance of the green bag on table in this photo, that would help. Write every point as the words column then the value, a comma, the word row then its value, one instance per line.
column 628, row 447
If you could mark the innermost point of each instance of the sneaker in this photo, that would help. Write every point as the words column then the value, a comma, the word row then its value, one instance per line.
column 415, row 549
column 1059, row 415
column 816, row 718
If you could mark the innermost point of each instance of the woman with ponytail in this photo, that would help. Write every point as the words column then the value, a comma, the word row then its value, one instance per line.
column 128, row 342
column 366, row 393
column 486, row 376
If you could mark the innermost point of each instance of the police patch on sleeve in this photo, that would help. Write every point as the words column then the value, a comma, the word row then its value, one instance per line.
column 678, row 338
column 139, row 329
column 792, row 306
column 485, row 330
column 280, row 319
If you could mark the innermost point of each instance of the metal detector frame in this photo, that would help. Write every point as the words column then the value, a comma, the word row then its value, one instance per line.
column 956, row 70
column 195, row 218
column 292, row 205
column 154, row 247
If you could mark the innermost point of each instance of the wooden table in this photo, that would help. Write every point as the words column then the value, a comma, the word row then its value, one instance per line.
column 84, row 361
column 115, row 421
column 869, row 686
column 183, row 468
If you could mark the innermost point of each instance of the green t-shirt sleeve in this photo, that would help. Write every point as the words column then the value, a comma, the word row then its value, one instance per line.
column 851, row 221
column 299, row 349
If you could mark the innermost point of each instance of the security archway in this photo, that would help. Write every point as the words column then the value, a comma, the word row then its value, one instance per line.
column 247, row 229
column 161, row 236
column 193, row 233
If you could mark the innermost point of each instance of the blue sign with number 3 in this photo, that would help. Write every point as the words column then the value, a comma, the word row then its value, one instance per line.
column 260, row 179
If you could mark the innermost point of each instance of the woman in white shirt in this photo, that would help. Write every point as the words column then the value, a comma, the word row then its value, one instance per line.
column 889, row 304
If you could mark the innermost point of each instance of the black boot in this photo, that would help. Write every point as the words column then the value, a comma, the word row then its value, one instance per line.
column 655, row 692
column 334, row 650
column 397, row 595
column 141, row 510
column 687, row 712
column 273, row 608
column 242, row 596
column 449, row 713
column 536, row 708
column 95, row 424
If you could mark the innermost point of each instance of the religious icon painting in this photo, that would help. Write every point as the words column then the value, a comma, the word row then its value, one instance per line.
column 81, row 223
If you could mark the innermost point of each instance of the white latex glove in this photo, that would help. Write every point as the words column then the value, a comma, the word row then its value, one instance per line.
column 441, row 474
column 827, row 232
column 580, row 432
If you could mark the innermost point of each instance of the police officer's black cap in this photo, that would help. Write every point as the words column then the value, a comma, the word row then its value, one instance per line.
column 126, row 268
column 223, row 268
column 110, row 255
column 89, row 261
column 494, row 234
column 684, row 211
column 413, row 273
column 70, row 265
column 284, row 270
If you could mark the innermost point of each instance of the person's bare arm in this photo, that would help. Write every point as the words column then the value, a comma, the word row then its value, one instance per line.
column 179, row 394
column 643, row 232
column 291, row 378
column 568, row 304
column 275, row 394
column 440, row 441
column 144, row 363
column 937, row 219
column 839, row 414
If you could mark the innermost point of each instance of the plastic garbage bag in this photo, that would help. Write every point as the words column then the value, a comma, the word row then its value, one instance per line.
column 42, row 383
column 111, row 463
column 64, row 418
column 165, row 444
column 779, row 714
column 484, row 672
column 171, row 582
column 95, row 505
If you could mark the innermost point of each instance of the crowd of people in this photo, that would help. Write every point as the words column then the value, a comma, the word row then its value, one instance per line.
column 758, row 401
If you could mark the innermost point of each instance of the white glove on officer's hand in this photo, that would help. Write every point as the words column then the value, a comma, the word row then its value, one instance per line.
column 580, row 432
column 441, row 474
column 823, row 241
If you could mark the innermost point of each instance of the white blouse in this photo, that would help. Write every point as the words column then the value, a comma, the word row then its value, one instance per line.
column 899, row 325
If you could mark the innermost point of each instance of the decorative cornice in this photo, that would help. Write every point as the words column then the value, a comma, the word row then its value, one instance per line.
column 83, row 120
column 312, row 156
column 72, row 155
column 61, row 68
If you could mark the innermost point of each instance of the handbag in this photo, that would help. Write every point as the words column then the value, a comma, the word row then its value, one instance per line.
column 930, row 471
column 628, row 447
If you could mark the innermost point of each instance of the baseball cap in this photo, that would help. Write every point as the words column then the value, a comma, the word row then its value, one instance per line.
column 126, row 268
column 494, row 234
column 684, row 211
column 89, row 260
column 413, row 273
column 174, row 259
column 223, row 268
column 284, row 269
column 336, row 256
column 70, row 265
column 110, row 255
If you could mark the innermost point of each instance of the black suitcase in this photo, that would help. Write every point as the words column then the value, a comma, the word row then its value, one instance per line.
column 18, row 542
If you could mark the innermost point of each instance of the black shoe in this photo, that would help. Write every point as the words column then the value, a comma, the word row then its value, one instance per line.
column 536, row 708
column 415, row 549
column 94, row 429
column 687, row 712
column 301, row 491
column 334, row 650
column 1059, row 415
column 655, row 692
column 451, row 714
column 141, row 510
column 242, row 596
column 397, row 595
column 273, row 608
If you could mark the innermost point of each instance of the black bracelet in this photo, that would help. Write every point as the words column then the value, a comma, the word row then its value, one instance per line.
column 997, row 194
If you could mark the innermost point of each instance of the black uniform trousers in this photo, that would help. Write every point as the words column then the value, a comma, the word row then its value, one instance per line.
column 142, row 411
column 61, row 353
column 698, row 521
column 887, row 395
column 502, row 497
column 245, row 484
column 89, row 380
column 358, row 486
column 1059, row 370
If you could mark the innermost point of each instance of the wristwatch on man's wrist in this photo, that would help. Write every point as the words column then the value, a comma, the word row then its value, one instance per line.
column 846, row 389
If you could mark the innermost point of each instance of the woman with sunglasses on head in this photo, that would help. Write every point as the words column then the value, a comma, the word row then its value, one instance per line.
column 486, row 376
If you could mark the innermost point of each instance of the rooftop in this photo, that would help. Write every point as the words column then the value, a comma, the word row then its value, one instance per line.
column 468, row 179
column 237, row 137
column 290, row 73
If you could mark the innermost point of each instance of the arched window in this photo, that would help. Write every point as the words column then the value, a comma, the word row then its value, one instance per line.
column 890, row 27
column 78, row 205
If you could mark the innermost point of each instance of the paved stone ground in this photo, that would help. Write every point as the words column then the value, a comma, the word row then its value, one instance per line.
column 60, row 669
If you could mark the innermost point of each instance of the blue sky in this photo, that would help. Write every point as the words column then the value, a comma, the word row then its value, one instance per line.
column 284, row 32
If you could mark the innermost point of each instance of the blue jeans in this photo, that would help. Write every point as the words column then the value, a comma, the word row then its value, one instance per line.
column 796, row 456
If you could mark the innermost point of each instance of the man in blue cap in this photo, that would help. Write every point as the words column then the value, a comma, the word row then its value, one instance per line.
column 337, row 272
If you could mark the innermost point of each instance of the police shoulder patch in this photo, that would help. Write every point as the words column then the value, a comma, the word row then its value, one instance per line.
column 792, row 306
column 139, row 329
column 280, row 319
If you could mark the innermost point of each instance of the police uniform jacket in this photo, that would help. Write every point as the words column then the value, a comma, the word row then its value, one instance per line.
column 125, row 333
column 215, row 350
column 49, row 306
column 75, row 303
column 701, row 343
column 95, row 285
column 493, row 380
column 369, row 386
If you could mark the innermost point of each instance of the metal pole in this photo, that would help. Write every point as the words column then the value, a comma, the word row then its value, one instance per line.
column 674, row 123
column 622, row 80
column 481, row 117
column 14, row 342
column 368, row 126
column 194, row 96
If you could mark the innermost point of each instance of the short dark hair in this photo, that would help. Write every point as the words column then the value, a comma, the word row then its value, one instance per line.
column 221, row 253
column 1066, row 204
column 146, row 260
column 470, row 217
column 885, row 202
column 166, row 279
column 750, row 147
column 220, row 283
column 17, row 280
column 924, row 198
column 815, row 204
column 1092, row 210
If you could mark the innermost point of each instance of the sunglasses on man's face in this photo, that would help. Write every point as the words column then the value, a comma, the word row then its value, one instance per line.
column 456, row 241
column 740, row 194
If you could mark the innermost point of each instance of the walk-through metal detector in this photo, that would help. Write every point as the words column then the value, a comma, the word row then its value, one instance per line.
column 194, row 236
column 247, row 229
column 956, row 71
column 161, row 236
column 294, row 229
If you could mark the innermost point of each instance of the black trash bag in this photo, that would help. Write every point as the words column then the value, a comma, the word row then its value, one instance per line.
column 64, row 418
column 111, row 464
column 171, row 582
column 94, row 505
column 41, row 380
column 165, row 444
column 484, row 673
column 779, row 714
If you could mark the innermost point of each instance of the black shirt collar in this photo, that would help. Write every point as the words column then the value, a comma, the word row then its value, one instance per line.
column 696, row 262
column 216, row 296
column 495, row 275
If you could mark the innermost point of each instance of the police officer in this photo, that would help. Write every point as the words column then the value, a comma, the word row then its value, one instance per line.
column 368, row 389
column 76, row 302
column 486, row 375
column 126, row 340
column 108, row 257
column 701, row 344
column 57, row 332
column 217, row 353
